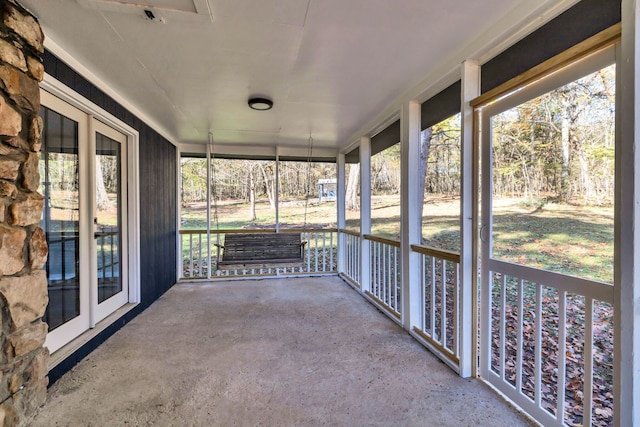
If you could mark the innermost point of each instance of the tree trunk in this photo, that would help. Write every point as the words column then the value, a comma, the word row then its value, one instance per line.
column 425, row 144
column 269, row 185
column 102, row 201
column 351, row 199
column 564, row 174
column 566, row 147
column 252, row 195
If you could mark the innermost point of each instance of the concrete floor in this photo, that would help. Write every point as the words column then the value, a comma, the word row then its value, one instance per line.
column 279, row 352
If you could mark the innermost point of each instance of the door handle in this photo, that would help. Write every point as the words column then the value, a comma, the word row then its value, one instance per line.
column 482, row 229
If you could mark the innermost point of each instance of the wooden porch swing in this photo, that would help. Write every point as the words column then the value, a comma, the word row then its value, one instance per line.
column 263, row 249
column 255, row 249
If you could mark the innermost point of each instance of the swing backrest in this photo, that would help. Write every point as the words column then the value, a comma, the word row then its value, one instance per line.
column 262, row 248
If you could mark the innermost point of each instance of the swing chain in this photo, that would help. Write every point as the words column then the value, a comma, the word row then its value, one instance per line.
column 214, row 187
column 309, row 160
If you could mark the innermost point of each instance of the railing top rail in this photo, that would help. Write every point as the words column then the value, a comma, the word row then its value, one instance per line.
column 437, row 253
column 106, row 233
column 390, row 242
column 192, row 232
column 350, row 232
column 307, row 230
column 242, row 231
column 63, row 233
column 260, row 230
column 600, row 291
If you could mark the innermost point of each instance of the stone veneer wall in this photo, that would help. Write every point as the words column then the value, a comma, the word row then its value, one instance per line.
column 23, row 248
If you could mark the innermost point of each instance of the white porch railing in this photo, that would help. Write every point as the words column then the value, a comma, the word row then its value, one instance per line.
column 196, row 253
column 548, row 344
column 546, row 339
column 199, row 256
column 386, row 288
column 439, row 291
column 352, row 261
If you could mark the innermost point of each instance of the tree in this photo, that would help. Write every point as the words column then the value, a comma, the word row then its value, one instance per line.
column 566, row 151
column 351, row 199
column 252, row 193
column 102, row 200
column 559, row 144
column 269, row 184
column 193, row 180
column 425, row 144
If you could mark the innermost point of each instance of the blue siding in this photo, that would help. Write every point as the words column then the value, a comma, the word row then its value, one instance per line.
column 578, row 23
column 158, row 168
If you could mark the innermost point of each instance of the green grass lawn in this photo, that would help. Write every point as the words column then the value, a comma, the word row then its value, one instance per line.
column 236, row 214
column 575, row 240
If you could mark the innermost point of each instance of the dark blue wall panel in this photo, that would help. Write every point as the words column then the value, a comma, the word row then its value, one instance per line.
column 583, row 20
column 158, row 202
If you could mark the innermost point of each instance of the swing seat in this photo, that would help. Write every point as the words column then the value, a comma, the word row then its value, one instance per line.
column 249, row 249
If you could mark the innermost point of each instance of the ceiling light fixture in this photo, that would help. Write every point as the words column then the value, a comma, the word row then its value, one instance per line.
column 261, row 104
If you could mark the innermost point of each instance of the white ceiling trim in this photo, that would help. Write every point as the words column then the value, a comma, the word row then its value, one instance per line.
column 63, row 55
column 257, row 150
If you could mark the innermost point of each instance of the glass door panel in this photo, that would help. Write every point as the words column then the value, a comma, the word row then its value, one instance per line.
column 109, row 220
column 59, row 164
column 63, row 139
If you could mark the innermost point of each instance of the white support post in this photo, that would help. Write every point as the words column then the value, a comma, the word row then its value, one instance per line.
column 365, row 213
column 340, row 205
column 466, row 321
column 91, row 200
column 277, row 190
column 179, row 266
column 410, row 219
column 209, row 208
column 626, row 352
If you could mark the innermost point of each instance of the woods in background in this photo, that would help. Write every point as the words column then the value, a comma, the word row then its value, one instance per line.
column 247, row 180
column 559, row 146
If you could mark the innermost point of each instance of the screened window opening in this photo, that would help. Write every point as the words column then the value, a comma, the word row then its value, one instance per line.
column 352, row 197
column 553, row 179
column 307, row 194
column 440, row 161
column 193, row 193
column 385, row 193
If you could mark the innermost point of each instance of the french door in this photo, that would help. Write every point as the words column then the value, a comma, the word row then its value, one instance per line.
column 83, row 174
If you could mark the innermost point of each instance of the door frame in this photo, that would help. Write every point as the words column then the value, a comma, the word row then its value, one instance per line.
column 131, row 238
column 100, row 310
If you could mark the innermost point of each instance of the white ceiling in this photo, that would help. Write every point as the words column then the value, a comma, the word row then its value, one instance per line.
column 332, row 67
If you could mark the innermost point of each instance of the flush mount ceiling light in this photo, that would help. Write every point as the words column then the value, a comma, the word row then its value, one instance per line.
column 260, row 104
